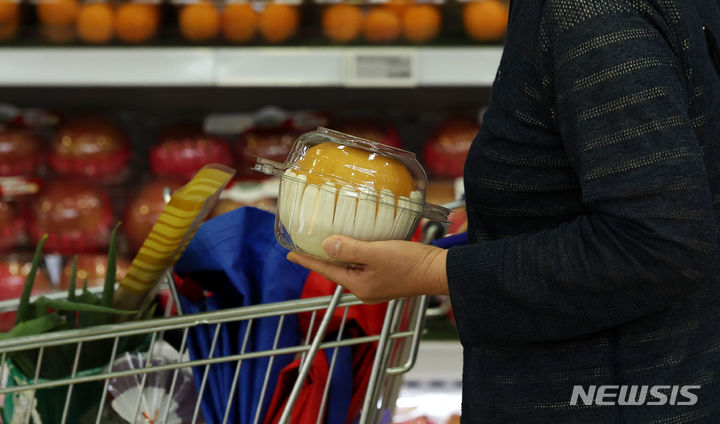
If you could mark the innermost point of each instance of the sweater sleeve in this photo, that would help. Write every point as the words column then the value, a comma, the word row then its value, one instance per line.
column 648, row 234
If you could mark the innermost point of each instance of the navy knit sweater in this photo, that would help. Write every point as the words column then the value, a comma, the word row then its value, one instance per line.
column 593, row 196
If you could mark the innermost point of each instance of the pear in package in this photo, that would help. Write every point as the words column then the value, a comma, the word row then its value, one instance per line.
column 337, row 184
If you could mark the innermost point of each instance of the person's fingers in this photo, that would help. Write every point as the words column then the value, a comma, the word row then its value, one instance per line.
column 331, row 272
column 304, row 260
column 349, row 250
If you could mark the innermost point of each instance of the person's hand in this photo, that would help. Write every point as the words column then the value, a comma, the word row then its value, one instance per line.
column 386, row 269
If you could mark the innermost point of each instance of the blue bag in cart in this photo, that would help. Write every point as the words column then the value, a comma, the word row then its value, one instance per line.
column 236, row 257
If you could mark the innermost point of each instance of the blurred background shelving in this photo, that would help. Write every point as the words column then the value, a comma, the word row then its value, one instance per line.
column 250, row 66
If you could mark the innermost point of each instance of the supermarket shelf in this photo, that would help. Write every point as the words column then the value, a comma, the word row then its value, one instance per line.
column 438, row 362
column 263, row 67
column 433, row 388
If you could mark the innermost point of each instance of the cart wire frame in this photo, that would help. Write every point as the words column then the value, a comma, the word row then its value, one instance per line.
column 397, row 346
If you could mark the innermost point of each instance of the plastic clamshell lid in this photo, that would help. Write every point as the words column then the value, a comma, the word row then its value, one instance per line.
column 328, row 188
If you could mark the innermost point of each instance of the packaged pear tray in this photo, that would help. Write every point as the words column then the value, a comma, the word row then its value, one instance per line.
column 337, row 184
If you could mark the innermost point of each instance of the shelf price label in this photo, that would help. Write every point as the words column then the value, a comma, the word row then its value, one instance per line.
column 381, row 68
column 18, row 186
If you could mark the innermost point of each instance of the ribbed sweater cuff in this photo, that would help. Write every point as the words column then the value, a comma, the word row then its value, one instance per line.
column 474, row 280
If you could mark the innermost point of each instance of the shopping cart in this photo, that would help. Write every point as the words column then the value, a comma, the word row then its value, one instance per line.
column 397, row 346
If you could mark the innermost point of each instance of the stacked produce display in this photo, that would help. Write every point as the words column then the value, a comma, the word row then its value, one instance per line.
column 268, row 22
column 84, row 173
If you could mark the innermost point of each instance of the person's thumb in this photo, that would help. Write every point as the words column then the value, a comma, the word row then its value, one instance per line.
column 346, row 249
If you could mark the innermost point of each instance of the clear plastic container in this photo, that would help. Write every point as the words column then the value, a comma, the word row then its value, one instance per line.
column 337, row 184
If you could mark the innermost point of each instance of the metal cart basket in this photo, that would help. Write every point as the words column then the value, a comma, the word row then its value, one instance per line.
column 397, row 346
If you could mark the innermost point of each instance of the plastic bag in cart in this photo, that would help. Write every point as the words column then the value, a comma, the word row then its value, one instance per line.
column 237, row 258
column 163, row 397
column 350, row 375
column 362, row 320
column 309, row 403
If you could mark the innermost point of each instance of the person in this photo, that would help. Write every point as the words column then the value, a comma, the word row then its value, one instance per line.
column 592, row 276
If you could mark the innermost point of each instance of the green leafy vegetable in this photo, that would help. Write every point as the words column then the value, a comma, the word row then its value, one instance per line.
column 109, row 287
column 35, row 326
column 78, row 311
column 64, row 305
column 23, row 311
column 71, row 316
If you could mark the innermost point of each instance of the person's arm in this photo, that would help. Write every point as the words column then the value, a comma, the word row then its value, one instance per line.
column 388, row 270
column 649, row 237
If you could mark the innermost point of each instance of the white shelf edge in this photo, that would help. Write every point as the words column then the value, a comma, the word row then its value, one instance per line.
column 241, row 66
column 437, row 361
column 106, row 66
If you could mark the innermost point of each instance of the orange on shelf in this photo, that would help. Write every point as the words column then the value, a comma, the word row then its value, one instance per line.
column 239, row 22
column 279, row 22
column 421, row 22
column 381, row 25
column 199, row 21
column 58, row 33
column 9, row 29
column 136, row 22
column 9, row 11
column 399, row 6
column 342, row 22
column 486, row 20
column 57, row 13
column 95, row 23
